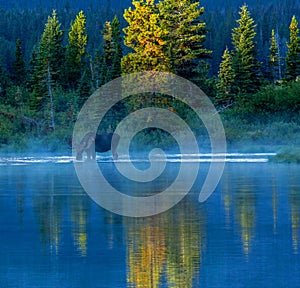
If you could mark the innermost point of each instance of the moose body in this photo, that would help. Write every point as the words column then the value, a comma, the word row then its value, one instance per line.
column 92, row 143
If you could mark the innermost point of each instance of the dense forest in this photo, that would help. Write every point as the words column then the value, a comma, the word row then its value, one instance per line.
column 55, row 54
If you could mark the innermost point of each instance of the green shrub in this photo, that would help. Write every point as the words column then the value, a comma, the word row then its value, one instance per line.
column 287, row 155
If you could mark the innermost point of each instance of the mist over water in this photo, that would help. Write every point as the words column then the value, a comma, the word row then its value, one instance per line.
column 172, row 157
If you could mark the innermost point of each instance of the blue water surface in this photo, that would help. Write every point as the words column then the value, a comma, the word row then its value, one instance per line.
column 53, row 235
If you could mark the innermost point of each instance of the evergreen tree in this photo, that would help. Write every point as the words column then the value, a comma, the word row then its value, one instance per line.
column 274, row 59
column 245, row 64
column 118, row 53
column 4, row 83
column 110, row 61
column 48, row 65
column 51, row 51
column 36, row 86
column 108, row 54
column 146, row 37
column 76, row 50
column 18, row 66
column 96, row 65
column 226, row 76
column 186, row 34
column 84, row 88
column 293, row 54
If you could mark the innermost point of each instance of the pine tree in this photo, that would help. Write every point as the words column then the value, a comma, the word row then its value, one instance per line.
column 274, row 59
column 76, row 50
column 84, row 88
column 48, row 65
column 245, row 64
column 36, row 85
column 226, row 76
column 144, row 36
column 118, row 53
column 110, row 61
column 109, row 51
column 18, row 66
column 186, row 34
column 4, row 83
column 293, row 54
column 51, row 51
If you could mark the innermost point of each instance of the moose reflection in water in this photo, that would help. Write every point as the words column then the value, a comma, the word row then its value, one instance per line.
column 92, row 143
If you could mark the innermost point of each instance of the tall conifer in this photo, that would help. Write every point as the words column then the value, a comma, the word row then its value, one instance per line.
column 293, row 55
column 185, row 35
column 274, row 59
column 76, row 50
column 226, row 76
column 245, row 64
column 18, row 66
column 48, row 65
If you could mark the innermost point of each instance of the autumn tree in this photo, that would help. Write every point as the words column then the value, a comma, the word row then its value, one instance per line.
column 245, row 64
column 293, row 55
column 145, row 36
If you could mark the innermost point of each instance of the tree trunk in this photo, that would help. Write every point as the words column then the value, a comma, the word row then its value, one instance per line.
column 51, row 96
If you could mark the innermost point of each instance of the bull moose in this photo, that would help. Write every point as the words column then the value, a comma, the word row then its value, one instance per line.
column 92, row 143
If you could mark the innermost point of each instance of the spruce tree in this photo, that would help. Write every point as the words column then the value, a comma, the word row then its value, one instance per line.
column 118, row 53
column 18, row 66
column 4, row 83
column 186, row 34
column 84, row 88
column 76, row 50
column 110, row 61
column 274, row 59
column 145, row 36
column 293, row 55
column 51, row 51
column 108, row 53
column 226, row 76
column 36, row 85
column 48, row 66
column 245, row 64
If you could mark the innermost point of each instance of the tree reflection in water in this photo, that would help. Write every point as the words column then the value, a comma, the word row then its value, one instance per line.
column 166, row 248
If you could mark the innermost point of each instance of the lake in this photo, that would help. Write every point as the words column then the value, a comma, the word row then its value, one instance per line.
column 53, row 235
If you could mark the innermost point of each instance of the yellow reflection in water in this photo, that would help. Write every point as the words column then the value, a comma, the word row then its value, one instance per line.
column 48, row 209
column 274, row 205
column 245, row 215
column 294, row 200
column 166, row 247
column 79, row 217
column 227, row 199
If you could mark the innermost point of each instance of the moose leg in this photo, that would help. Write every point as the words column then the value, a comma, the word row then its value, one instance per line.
column 114, row 144
column 90, row 150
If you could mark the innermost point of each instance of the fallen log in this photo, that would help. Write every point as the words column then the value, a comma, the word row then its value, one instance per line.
column 24, row 119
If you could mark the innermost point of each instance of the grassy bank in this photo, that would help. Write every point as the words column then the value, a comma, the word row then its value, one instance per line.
column 287, row 155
